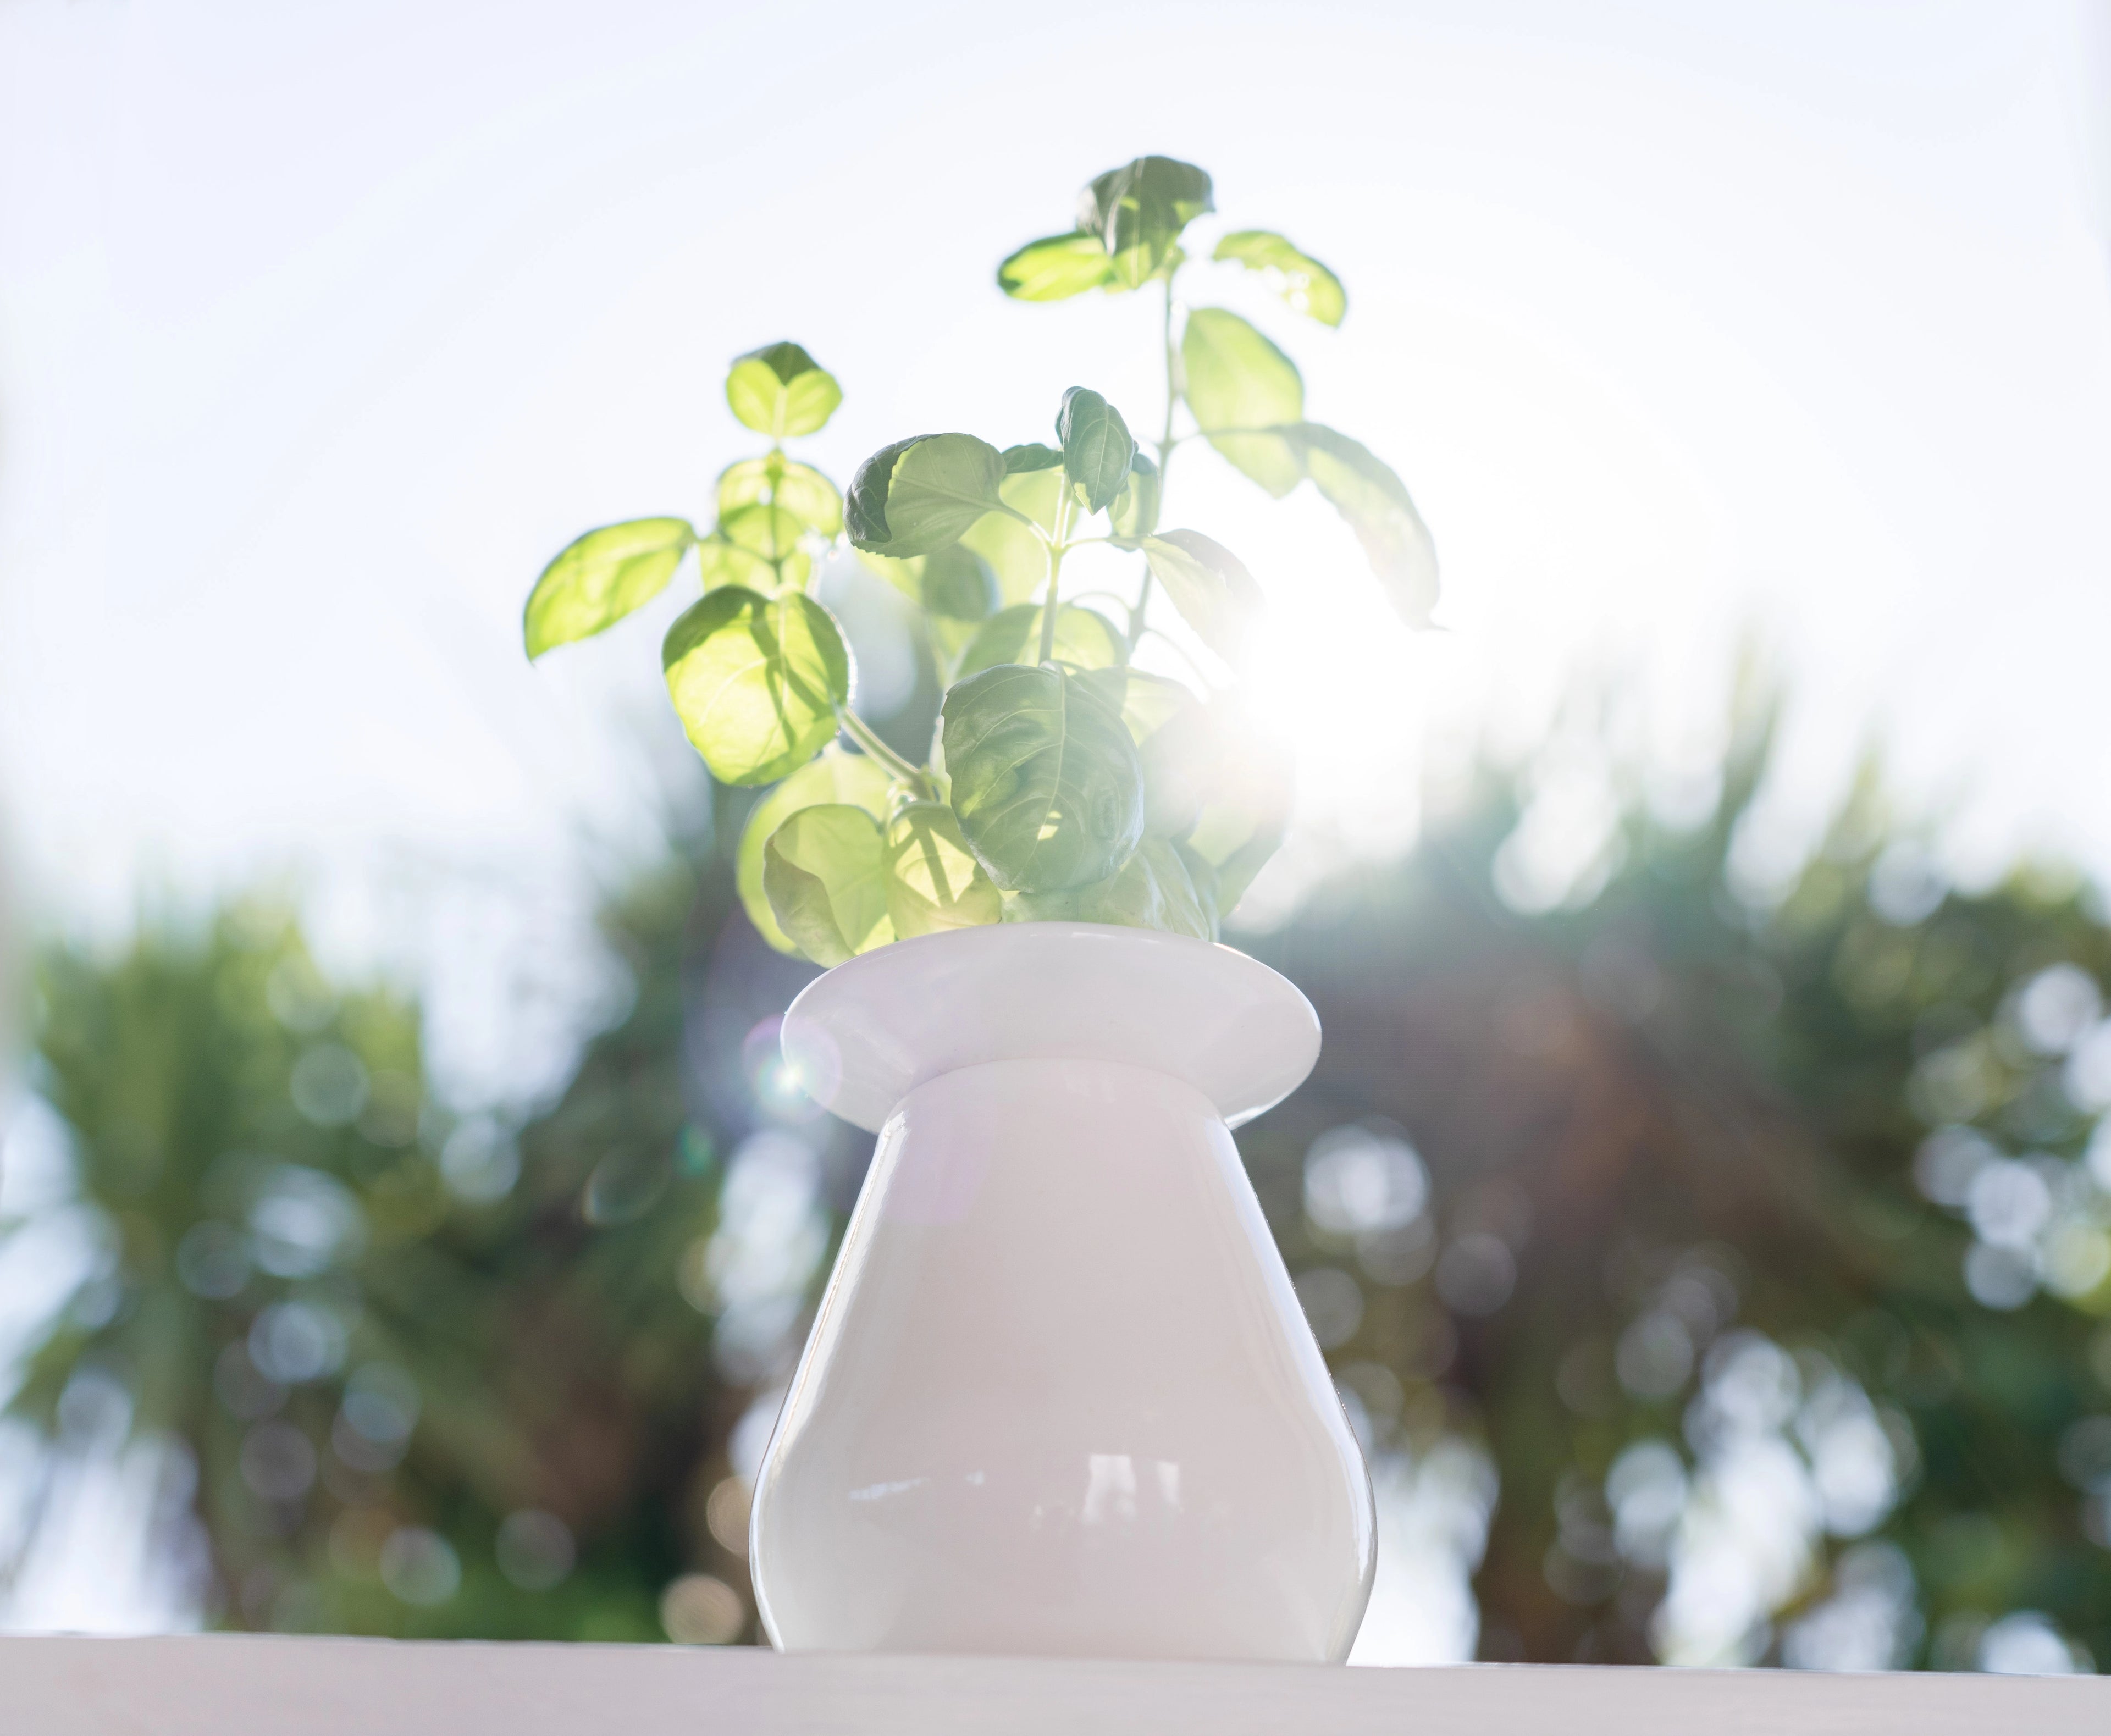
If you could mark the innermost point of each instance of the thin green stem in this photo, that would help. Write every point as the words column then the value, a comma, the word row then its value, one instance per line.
column 1056, row 548
column 862, row 733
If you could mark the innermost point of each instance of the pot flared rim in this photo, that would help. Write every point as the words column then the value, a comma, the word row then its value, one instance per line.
column 863, row 1036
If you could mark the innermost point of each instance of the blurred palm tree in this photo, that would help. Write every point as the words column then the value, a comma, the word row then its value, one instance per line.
column 1715, row 1267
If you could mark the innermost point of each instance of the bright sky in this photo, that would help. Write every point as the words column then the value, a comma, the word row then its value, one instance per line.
column 322, row 328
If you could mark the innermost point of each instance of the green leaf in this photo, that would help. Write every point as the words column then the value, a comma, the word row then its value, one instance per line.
column 1242, row 823
column 933, row 881
column 780, row 390
column 1138, row 211
column 1235, row 378
column 919, row 495
column 769, row 537
column 824, row 870
column 1097, row 447
column 1209, row 585
column 1299, row 279
column 1151, row 890
column 1134, row 513
column 1176, row 743
column 1084, row 639
column 1365, row 490
column 600, row 577
column 835, row 777
column 1033, row 456
column 799, row 488
column 1056, row 268
column 955, row 584
column 1016, row 554
column 755, row 681
column 1046, row 781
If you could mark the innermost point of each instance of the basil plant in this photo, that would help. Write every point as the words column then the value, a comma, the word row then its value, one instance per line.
column 1063, row 782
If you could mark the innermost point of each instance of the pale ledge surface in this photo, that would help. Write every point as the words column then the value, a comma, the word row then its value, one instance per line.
column 214, row 1685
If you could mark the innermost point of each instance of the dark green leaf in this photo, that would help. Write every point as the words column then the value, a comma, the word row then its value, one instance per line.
column 835, row 777
column 600, row 577
column 1209, row 585
column 1151, row 890
column 1045, row 779
column 1097, row 447
column 1056, row 268
column 1365, row 491
column 1138, row 211
column 1084, row 639
column 755, row 681
column 933, row 881
column 1299, row 279
column 824, row 870
column 919, row 495
column 778, row 390
column 1033, row 456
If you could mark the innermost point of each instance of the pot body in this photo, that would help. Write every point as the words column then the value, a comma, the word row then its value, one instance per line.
column 1061, row 1397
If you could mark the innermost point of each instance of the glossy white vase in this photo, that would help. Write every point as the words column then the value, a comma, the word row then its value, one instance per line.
column 1059, row 1398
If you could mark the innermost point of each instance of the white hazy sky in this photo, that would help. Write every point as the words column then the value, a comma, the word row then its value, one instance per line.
column 322, row 327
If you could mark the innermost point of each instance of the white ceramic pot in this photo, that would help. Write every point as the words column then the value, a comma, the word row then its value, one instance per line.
column 1059, row 1398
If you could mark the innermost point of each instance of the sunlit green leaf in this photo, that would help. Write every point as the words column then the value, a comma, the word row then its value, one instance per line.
column 1033, row 456
column 1234, row 379
column 755, row 681
column 1365, row 491
column 1138, row 211
column 1084, row 639
column 1209, row 585
column 1045, row 779
column 799, row 488
column 599, row 578
column 824, row 871
column 1056, row 268
column 1134, row 513
column 1299, row 279
column 1097, row 447
column 1151, row 890
column 770, row 535
column 1016, row 554
column 919, row 495
column 780, row 390
column 835, row 777
column 933, row 880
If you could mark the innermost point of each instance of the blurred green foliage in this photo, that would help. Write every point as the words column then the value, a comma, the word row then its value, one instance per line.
column 1671, row 1168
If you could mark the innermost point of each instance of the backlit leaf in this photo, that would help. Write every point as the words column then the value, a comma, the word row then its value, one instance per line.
column 1239, row 383
column 1056, row 268
column 756, row 680
column 1138, row 211
column 1298, row 278
column 1207, row 584
column 1016, row 554
column 1134, row 513
column 933, row 881
column 1365, row 490
column 1084, row 639
column 800, row 489
column 824, row 871
column 599, row 578
column 835, row 777
column 780, row 390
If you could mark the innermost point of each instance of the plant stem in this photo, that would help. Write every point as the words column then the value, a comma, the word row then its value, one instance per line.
column 1166, row 443
column 862, row 733
column 1057, row 547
